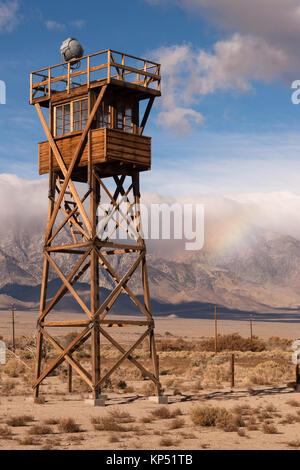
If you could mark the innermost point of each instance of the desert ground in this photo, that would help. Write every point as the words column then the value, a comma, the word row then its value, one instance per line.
column 204, row 412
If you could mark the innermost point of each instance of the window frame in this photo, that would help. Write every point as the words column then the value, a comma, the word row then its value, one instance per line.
column 71, row 104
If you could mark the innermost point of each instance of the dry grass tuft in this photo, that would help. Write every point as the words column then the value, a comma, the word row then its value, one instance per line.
column 68, row 425
column 177, row 423
column 145, row 419
column 165, row 413
column 121, row 416
column 29, row 441
column 294, row 444
column 269, row 429
column 40, row 430
column 19, row 421
column 233, row 342
column 166, row 442
column 213, row 416
column 51, row 421
column 5, row 433
column 294, row 403
column 107, row 423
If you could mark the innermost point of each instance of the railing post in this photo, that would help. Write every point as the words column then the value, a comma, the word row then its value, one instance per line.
column 49, row 82
column 88, row 72
column 108, row 65
column 69, row 78
column 123, row 63
column 145, row 70
column 31, row 82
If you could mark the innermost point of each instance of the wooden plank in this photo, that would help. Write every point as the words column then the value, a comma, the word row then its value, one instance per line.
column 65, row 324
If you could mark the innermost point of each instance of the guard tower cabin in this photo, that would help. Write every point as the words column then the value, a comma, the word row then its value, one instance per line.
column 115, row 141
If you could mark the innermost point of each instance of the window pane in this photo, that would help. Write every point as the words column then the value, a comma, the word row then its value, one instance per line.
column 84, row 104
column 76, row 106
column 77, row 126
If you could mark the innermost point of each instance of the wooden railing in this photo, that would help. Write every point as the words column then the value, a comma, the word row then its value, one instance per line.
column 104, row 65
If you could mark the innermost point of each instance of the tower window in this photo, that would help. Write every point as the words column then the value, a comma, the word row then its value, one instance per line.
column 124, row 117
column 71, row 117
column 63, row 122
column 80, row 115
column 103, row 117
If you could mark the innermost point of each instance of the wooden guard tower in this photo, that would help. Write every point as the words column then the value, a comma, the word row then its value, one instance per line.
column 95, row 137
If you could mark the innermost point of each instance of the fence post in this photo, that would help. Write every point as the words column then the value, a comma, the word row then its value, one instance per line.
column 232, row 369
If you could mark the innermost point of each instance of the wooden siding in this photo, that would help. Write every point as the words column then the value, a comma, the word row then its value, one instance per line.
column 106, row 145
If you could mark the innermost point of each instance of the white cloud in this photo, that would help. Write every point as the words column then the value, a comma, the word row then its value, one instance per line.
column 8, row 15
column 189, row 73
column 22, row 202
column 79, row 24
column 24, row 205
column 55, row 26
column 264, row 47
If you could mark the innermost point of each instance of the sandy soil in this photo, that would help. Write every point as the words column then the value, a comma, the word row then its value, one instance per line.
column 274, row 405
column 149, row 436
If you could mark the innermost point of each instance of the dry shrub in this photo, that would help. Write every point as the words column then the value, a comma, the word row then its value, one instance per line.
column 107, row 423
column 14, row 368
column 177, row 423
column 166, row 442
column 146, row 419
column 40, row 430
column 7, row 386
column 294, row 403
column 233, row 342
column 51, row 421
column 177, row 344
column 148, row 389
column 19, row 421
column 269, row 429
column 121, row 416
column 275, row 342
column 270, row 372
column 294, row 444
column 215, row 374
column 164, row 413
column 29, row 441
column 213, row 416
column 80, row 385
column 76, row 439
column 68, row 425
column 5, row 433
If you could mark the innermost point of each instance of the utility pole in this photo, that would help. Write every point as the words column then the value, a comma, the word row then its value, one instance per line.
column 13, row 327
column 216, row 331
column 251, row 331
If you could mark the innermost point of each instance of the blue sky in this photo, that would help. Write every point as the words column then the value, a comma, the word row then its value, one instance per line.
column 227, row 78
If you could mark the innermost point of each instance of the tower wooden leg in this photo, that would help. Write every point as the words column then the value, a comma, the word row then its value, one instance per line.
column 96, row 360
column 155, row 362
column 38, row 360
column 70, row 377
